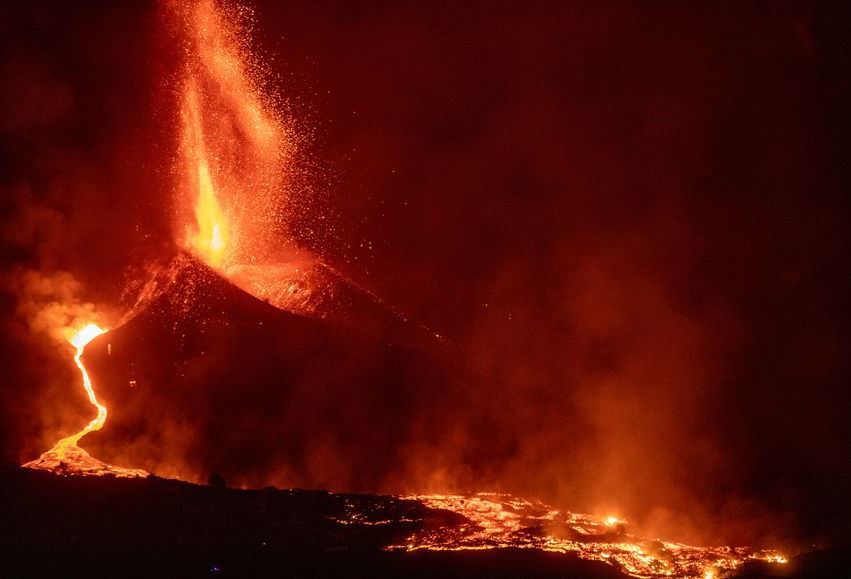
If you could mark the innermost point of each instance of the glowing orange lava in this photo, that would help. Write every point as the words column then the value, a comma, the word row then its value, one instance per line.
column 233, row 170
column 504, row 521
column 233, row 144
column 66, row 457
column 233, row 154
column 208, row 237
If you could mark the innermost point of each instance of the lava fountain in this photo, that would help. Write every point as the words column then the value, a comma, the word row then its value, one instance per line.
column 233, row 145
column 235, row 165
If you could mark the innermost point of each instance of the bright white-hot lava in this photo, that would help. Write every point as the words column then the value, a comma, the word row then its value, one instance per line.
column 66, row 456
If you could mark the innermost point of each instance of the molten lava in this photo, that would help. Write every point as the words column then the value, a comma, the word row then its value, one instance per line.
column 66, row 456
column 233, row 145
column 505, row 521
column 210, row 234
column 233, row 174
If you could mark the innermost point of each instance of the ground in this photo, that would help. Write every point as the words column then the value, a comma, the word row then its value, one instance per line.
column 105, row 527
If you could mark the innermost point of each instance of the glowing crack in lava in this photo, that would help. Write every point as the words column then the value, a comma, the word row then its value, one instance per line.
column 66, row 456
column 505, row 521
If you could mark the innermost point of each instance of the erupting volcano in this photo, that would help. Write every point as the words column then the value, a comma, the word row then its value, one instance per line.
column 599, row 360
column 235, row 166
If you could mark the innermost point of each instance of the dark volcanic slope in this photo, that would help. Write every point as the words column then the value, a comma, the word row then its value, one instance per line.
column 208, row 378
column 104, row 527
column 57, row 526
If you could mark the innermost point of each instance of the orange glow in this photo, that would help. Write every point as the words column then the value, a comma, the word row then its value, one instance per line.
column 208, row 236
column 66, row 457
column 79, row 340
column 504, row 521
column 230, row 184
column 233, row 144
column 210, row 239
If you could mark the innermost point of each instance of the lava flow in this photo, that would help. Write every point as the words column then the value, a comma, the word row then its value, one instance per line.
column 505, row 521
column 66, row 456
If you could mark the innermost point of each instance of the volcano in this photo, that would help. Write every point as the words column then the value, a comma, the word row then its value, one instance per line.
column 207, row 378
column 212, row 383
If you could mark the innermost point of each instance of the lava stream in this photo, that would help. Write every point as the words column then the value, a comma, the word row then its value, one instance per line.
column 66, row 456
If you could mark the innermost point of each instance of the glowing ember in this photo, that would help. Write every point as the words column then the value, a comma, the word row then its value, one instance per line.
column 233, row 145
column 66, row 457
column 232, row 174
column 503, row 521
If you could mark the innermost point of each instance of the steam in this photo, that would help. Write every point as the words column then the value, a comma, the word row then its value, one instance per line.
column 51, row 303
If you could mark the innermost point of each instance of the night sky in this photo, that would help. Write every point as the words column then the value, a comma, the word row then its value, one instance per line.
column 628, row 220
